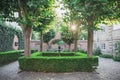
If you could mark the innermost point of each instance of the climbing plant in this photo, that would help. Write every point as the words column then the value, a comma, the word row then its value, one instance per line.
column 117, row 48
column 6, row 37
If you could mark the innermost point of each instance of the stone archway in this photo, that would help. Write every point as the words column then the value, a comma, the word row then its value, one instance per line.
column 15, row 43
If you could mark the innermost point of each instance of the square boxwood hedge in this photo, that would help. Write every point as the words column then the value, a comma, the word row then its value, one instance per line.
column 9, row 56
column 58, row 54
column 37, row 62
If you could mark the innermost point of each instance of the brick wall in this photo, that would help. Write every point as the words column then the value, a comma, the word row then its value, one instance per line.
column 36, row 43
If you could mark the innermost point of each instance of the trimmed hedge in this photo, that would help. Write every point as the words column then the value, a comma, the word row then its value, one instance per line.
column 116, row 59
column 57, row 64
column 7, row 57
column 110, row 56
column 58, row 54
column 106, row 56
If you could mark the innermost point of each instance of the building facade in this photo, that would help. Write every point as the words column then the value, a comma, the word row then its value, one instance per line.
column 106, row 37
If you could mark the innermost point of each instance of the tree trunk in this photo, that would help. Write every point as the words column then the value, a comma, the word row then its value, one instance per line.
column 27, row 33
column 48, row 47
column 69, row 47
column 26, row 29
column 41, row 41
column 90, row 43
column 76, row 39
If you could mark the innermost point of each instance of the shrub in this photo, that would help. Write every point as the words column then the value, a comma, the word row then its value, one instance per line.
column 106, row 56
column 116, row 58
column 32, row 51
column 58, row 54
column 97, row 51
column 66, row 50
column 81, row 50
column 57, row 64
column 7, row 57
column 117, row 49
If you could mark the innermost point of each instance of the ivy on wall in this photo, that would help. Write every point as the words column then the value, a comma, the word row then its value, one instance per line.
column 7, row 35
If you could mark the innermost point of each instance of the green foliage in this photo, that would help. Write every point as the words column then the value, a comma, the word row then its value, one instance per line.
column 7, row 57
column 31, row 10
column 90, row 13
column 66, row 34
column 83, row 35
column 6, row 37
column 81, row 50
column 58, row 54
column 30, row 14
column 117, row 49
column 7, row 9
column 58, row 64
column 66, row 50
column 45, row 16
column 60, row 42
column 33, row 37
column 116, row 58
column 106, row 56
column 117, row 52
column 97, row 51
column 48, row 36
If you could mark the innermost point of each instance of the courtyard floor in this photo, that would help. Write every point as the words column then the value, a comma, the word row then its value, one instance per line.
column 107, row 70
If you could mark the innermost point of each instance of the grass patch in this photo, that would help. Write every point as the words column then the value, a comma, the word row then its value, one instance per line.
column 38, row 62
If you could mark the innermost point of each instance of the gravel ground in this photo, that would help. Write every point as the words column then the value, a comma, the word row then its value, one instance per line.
column 107, row 70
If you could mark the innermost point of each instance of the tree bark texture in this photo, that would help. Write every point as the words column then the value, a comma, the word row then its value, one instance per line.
column 90, row 43
column 76, row 39
column 27, row 33
column 69, row 47
column 41, row 41
column 26, row 29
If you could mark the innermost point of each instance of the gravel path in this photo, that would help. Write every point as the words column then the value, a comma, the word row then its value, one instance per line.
column 107, row 70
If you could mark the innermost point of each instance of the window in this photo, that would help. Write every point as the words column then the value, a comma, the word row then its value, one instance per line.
column 103, row 46
column 16, row 43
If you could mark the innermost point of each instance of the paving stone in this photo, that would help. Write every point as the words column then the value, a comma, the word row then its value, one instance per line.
column 107, row 70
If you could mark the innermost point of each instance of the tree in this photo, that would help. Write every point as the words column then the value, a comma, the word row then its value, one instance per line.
column 83, row 35
column 92, row 13
column 48, row 36
column 67, row 35
column 28, row 13
column 73, row 18
column 45, row 19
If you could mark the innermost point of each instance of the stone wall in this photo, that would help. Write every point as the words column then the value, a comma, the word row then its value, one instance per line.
column 36, row 43
column 105, row 39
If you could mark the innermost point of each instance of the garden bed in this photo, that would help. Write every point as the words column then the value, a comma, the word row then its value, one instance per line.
column 38, row 62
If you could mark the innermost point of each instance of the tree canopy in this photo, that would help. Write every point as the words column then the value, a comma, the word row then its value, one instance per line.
column 48, row 36
column 92, row 12
column 67, row 35
column 29, row 13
